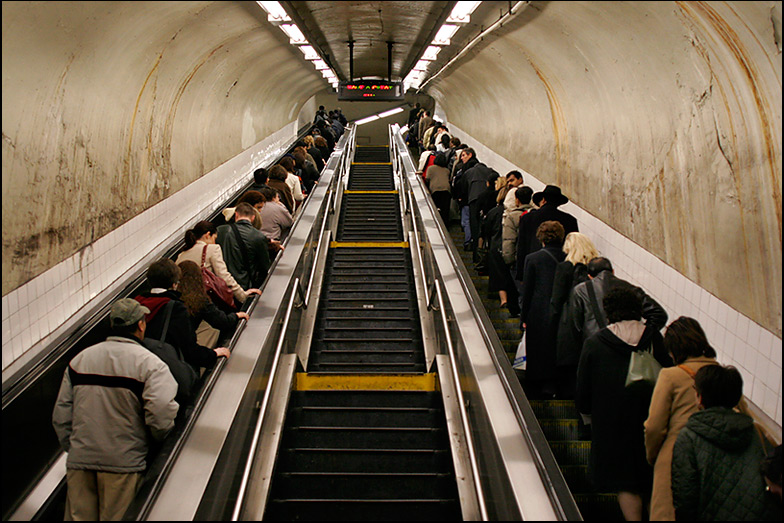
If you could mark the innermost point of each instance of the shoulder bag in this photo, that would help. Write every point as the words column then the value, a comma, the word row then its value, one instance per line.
column 183, row 373
column 217, row 290
column 642, row 367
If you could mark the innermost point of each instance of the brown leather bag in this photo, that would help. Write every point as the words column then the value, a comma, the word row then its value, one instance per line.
column 217, row 290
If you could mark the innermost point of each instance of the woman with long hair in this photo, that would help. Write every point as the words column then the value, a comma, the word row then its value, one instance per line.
column 207, row 320
column 579, row 250
column 200, row 244
column 674, row 400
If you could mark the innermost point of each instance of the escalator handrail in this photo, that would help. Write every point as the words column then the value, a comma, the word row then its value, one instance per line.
column 296, row 288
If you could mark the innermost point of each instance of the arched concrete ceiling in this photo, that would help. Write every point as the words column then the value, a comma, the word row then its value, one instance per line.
column 109, row 107
column 663, row 119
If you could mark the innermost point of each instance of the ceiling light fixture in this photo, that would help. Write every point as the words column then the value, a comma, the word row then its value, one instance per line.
column 431, row 53
column 421, row 65
column 461, row 13
column 275, row 12
column 309, row 52
column 295, row 35
column 444, row 35
column 390, row 112
column 320, row 65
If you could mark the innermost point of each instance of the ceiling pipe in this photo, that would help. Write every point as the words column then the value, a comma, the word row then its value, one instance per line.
column 389, row 60
column 351, row 60
column 512, row 13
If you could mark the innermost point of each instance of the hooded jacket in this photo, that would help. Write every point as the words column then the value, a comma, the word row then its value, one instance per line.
column 715, row 469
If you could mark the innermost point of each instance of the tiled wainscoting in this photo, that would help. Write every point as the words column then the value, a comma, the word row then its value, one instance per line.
column 739, row 341
column 36, row 313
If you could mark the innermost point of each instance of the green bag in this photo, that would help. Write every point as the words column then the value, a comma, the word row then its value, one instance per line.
column 642, row 367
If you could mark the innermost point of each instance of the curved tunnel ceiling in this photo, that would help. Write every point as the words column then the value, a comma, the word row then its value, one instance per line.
column 663, row 119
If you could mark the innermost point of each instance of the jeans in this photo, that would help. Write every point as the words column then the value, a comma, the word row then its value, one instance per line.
column 464, row 222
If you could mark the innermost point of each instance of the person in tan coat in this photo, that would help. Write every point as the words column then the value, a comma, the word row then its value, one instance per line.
column 202, row 237
column 674, row 400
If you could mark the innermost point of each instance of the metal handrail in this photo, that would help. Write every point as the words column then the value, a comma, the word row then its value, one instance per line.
column 318, row 248
column 264, row 404
column 463, row 413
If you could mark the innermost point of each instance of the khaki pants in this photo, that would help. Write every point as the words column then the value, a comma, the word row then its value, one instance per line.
column 99, row 496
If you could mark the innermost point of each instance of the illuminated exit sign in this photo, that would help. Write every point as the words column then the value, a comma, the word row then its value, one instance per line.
column 371, row 90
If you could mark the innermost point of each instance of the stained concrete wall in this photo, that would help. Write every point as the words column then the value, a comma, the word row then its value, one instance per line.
column 109, row 107
column 662, row 119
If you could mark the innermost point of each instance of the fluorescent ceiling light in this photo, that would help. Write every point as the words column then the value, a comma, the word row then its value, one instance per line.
column 275, row 12
column 444, row 34
column 366, row 120
column 309, row 52
column 328, row 73
column 462, row 11
column 421, row 65
column 390, row 112
column 295, row 35
column 320, row 65
column 431, row 53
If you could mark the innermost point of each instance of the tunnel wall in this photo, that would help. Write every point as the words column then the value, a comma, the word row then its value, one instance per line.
column 661, row 119
column 738, row 340
column 110, row 107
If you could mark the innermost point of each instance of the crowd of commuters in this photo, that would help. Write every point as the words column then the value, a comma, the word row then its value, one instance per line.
column 685, row 444
column 118, row 399
column 684, row 448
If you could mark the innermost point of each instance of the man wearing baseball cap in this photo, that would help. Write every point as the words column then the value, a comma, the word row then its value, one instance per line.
column 112, row 395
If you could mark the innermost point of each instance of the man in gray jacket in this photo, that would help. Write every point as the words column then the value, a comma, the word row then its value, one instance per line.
column 111, row 395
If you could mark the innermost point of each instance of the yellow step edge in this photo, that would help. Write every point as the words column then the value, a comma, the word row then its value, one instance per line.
column 371, row 163
column 420, row 382
column 369, row 192
column 369, row 244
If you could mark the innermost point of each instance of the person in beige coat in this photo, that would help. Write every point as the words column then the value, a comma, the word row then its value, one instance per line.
column 202, row 237
column 674, row 400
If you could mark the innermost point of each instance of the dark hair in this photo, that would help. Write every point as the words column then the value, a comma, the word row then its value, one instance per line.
column 454, row 141
column 461, row 146
column 597, row 265
column 163, row 273
column 622, row 303
column 516, row 174
column 245, row 210
column 440, row 160
column 299, row 158
column 444, row 140
column 199, row 230
column 469, row 151
column 523, row 194
column 550, row 231
column 288, row 163
column 260, row 175
column 125, row 331
column 269, row 193
column 191, row 287
column 431, row 147
column 684, row 338
column 320, row 141
column 278, row 172
column 252, row 197
column 719, row 386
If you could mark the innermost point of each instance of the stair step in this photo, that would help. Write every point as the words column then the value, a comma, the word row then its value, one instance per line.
column 364, row 510
column 367, row 437
column 355, row 461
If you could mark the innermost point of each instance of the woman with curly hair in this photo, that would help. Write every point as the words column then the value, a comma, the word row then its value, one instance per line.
column 207, row 320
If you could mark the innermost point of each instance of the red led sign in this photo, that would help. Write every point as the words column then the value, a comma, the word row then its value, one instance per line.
column 370, row 90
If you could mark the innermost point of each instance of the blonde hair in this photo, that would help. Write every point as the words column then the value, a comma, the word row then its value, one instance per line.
column 579, row 248
column 309, row 141
column 501, row 188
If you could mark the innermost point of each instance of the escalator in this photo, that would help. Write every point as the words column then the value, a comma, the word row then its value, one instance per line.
column 365, row 434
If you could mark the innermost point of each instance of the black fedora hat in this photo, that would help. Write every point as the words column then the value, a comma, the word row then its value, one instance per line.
column 551, row 193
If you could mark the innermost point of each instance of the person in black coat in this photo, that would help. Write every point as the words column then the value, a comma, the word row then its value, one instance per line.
column 527, row 243
column 164, row 276
column 538, row 275
column 499, row 277
column 617, row 413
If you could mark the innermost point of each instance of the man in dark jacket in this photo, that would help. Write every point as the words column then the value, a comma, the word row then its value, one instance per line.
column 164, row 276
column 716, row 459
column 585, row 322
column 527, row 243
column 475, row 181
column 250, row 272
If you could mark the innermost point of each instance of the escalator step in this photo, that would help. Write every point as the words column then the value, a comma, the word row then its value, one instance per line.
column 341, row 485
column 342, row 460
column 366, row 437
column 364, row 510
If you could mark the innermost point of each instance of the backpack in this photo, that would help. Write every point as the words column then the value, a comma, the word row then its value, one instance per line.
column 183, row 373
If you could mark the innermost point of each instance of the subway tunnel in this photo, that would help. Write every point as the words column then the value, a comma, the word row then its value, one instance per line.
column 661, row 121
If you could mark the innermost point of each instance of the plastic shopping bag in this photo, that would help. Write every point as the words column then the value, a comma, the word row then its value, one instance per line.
column 520, row 358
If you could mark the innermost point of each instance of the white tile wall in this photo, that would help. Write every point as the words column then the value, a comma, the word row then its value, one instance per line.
column 35, row 314
column 739, row 341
